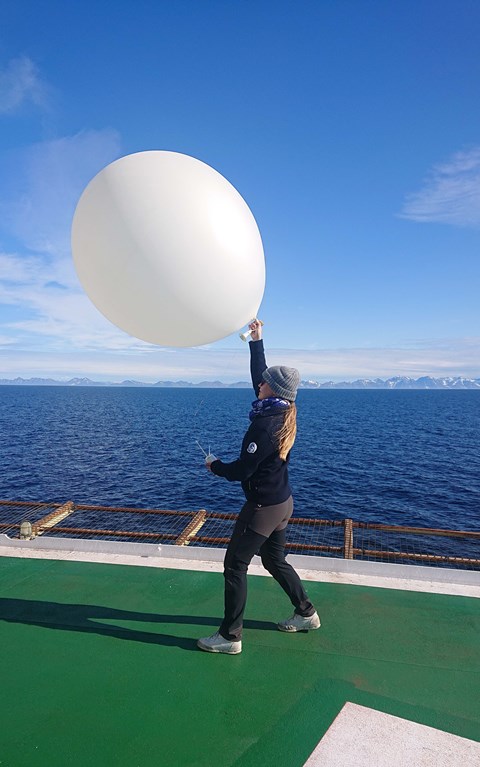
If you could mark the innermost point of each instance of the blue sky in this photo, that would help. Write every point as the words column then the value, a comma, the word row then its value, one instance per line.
column 350, row 127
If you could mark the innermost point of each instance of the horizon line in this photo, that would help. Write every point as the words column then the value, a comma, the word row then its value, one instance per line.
column 182, row 383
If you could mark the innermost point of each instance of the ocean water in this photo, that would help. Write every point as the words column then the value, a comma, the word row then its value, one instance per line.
column 398, row 457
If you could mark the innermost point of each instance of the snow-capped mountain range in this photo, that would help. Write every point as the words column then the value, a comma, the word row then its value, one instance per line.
column 397, row 382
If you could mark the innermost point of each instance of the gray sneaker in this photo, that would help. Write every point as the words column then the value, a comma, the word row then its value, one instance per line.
column 299, row 623
column 216, row 643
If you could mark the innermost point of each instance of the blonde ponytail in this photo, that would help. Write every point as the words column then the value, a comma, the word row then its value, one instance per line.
column 286, row 435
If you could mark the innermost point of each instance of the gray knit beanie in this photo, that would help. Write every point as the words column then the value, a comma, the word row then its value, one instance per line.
column 283, row 381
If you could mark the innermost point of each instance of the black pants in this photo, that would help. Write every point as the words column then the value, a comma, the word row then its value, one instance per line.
column 244, row 543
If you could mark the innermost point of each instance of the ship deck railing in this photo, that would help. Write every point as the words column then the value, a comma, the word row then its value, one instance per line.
column 342, row 538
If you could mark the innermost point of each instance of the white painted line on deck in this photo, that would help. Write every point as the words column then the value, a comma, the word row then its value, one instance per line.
column 363, row 737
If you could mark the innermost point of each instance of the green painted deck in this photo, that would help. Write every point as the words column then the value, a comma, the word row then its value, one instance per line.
column 100, row 667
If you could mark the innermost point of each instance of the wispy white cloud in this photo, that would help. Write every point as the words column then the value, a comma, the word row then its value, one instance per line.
column 20, row 84
column 56, row 312
column 16, row 270
column 450, row 194
column 437, row 357
column 42, row 184
column 38, row 194
column 6, row 341
column 448, row 357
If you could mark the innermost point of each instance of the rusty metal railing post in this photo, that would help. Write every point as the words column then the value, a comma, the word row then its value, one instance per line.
column 49, row 522
column 192, row 528
column 348, row 539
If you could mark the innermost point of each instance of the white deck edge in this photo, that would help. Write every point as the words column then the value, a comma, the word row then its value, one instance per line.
column 437, row 580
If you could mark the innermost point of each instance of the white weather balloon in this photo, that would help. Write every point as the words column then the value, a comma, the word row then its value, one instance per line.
column 168, row 250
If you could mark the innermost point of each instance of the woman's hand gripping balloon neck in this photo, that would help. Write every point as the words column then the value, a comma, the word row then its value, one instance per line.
column 255, row 328
column 254, row 332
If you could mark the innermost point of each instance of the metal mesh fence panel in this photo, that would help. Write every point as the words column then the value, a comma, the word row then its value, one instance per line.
column 316, row 537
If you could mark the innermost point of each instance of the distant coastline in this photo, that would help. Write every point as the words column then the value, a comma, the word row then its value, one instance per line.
column 397, row 382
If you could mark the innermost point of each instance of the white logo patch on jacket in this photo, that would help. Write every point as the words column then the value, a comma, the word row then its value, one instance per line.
column 252, row 447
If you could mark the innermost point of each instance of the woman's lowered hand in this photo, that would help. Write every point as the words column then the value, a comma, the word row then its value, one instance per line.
column 209, row 460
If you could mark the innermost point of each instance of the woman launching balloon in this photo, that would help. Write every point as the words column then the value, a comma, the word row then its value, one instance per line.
column 262, row 468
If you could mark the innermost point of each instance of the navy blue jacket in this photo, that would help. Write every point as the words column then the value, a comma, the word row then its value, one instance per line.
column 263, row 474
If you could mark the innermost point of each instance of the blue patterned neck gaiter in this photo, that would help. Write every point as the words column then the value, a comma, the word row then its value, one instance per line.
column 268, row 406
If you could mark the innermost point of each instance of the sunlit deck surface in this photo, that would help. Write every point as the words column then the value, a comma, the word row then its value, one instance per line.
column 100, row 667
